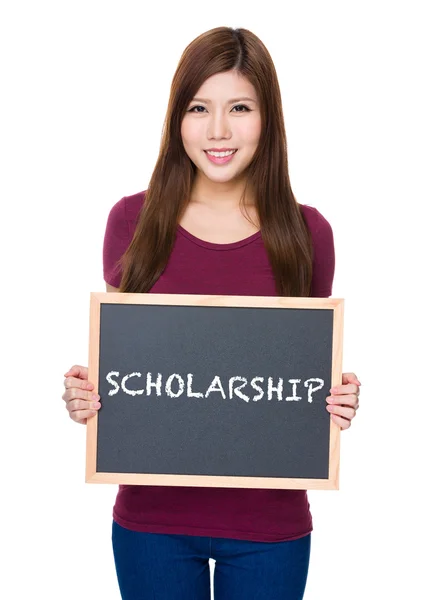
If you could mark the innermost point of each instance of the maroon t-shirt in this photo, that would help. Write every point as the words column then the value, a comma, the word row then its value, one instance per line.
column 199, row 267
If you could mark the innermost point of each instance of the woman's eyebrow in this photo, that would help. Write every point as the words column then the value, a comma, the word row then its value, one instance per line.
column 229, row 101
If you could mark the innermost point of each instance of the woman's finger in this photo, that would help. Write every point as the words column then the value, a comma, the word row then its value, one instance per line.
column 341, row 421
column 74, row 405
column 79, row 394
column 81, row 416
column 350, row 378
column 342, row 390
column 349, row 400
column 84, row 384
column 77, row 371
column 341, row 411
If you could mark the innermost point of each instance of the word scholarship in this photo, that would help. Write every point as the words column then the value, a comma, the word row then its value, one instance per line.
column 175, row 386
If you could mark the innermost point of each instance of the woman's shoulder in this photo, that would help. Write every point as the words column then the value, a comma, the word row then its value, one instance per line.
column 126, row 211
column 315, row 220
column 321, row 232
column 128, row 207
column 323, row 251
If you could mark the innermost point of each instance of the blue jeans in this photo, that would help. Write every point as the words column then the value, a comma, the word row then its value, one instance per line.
column 153, row 566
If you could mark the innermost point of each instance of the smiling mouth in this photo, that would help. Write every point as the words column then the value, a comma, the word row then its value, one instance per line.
column 224, row 152
column 220, row 160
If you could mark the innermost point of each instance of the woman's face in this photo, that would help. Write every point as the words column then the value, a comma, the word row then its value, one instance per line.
column 224, row 114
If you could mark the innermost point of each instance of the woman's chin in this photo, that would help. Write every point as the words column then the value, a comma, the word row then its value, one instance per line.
column 217, row 175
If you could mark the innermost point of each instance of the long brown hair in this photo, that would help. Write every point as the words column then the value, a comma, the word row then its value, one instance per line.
column 283, row 228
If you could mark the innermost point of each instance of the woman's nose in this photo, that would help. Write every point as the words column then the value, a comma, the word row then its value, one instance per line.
column 219, row 126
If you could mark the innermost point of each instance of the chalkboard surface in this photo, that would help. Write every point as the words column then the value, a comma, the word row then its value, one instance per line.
column 203, row 392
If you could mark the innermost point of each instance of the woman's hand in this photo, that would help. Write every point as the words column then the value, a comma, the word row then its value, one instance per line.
column 344, row 400
column 81, row 402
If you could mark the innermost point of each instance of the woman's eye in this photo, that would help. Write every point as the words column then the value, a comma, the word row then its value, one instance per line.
column 242, row 106
column 236, row 106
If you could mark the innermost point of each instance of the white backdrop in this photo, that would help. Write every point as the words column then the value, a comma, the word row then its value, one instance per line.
column 85, row 88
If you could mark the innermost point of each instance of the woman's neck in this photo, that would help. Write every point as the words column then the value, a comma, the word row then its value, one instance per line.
column 225, row 196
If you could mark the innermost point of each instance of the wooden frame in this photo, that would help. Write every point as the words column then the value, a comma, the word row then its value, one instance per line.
column 97, row 299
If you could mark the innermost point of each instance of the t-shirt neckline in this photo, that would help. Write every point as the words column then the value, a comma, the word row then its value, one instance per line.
column 213, row 245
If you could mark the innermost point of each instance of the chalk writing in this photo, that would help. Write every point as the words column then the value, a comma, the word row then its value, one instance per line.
column 175, row 386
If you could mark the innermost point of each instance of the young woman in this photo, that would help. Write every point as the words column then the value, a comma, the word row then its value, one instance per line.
column 218, row 217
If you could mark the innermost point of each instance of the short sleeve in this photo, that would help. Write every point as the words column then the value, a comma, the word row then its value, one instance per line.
column 116, row 242
column 323, row 260
column 323, row 253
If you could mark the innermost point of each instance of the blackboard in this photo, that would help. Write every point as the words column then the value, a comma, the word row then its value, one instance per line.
column 214, row 390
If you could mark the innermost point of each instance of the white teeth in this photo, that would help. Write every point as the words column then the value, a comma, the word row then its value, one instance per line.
column 220, row 154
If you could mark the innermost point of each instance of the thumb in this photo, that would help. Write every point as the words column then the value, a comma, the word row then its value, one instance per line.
column 77, row 371
column 350, row 378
